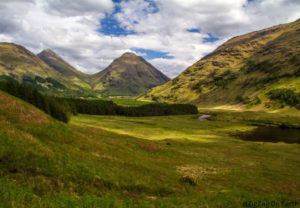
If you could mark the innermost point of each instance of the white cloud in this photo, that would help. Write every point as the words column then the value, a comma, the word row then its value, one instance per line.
column 70, row 27
column 78, row 7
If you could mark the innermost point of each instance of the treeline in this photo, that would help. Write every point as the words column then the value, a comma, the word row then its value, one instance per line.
column 285, row 96
column 62, row 108
column 92, row 107
column 157, row 109
column 55, row 108
column 102, row 107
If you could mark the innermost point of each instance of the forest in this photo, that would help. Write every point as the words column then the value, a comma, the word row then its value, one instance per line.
column 62, row 108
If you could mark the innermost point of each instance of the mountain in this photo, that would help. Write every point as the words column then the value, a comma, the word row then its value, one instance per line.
column 241, row 71
column 19, row 63
column 62, row 67
column 128, row 75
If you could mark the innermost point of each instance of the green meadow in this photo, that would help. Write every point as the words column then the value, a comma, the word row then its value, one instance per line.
column 169, row 161
column 129, row 101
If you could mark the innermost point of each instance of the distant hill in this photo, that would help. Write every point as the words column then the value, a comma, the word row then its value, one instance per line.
column 20, row 64
column 17, row 61
column 241, row 71
column 128, row 75
column 61, row 66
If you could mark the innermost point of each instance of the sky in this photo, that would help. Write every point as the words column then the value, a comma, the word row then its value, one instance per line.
column 170, row 34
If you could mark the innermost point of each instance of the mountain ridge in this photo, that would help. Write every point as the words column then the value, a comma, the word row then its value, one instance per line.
column 18, row 62
column 240, row 71
column 48, row 55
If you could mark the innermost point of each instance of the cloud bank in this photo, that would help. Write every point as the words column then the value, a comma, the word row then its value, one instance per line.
column 170, row 34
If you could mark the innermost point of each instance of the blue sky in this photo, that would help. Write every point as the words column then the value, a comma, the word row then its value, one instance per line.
column 170, row 34
column 111, row 26
column 152, row 54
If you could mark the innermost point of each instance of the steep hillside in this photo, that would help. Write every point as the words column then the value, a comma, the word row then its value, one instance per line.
column 19, row 63
column 128, row 75
column 64, row 68
column 20, row 113
column 242, row 70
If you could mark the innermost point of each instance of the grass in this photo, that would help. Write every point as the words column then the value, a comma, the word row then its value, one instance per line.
column 129, row 102
column 238, row 71
column 113, row 161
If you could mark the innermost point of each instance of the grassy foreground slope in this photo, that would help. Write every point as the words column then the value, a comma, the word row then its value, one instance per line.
column 173, row 161
column 240, row 71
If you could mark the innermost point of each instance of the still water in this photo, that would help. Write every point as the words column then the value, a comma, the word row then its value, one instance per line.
column 271, row 134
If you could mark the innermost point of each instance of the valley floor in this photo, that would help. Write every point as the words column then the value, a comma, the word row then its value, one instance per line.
column 171, row 161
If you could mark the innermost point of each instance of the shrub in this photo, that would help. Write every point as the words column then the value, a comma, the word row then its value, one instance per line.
column 285, row 96
column 188, row 180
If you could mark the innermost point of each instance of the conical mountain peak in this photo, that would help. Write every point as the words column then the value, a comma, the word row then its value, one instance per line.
column 128, row 75
column 47, row 52
column 129, row 55
column 59, row 64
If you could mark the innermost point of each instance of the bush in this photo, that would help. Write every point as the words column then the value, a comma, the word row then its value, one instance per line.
column 285, row 96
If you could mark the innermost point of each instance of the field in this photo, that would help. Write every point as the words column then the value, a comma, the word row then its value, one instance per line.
column 129, row 101
column 202, row 164
column 113, row 161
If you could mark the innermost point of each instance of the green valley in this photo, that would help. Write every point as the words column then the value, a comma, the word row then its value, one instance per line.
column 113, row 161
column 225, row 133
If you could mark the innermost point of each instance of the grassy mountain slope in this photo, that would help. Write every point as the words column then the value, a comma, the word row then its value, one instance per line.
column 19, row 63
column 239, row 70
column 173, row 161
column 64, row 68
column 128, row 75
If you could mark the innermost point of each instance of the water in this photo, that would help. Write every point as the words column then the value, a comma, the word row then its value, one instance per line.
column 271, row 134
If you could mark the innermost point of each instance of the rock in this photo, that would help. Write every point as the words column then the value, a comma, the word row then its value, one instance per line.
column 204, row 117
